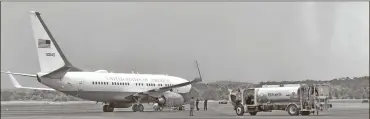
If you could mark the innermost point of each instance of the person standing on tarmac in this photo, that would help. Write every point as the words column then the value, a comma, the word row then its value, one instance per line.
column 192, row 101
column 196, row 104
column 205, row 105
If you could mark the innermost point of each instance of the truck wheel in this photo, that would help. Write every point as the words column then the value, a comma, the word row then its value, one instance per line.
column 239, row 110
column 253, row 113
column 293, row 110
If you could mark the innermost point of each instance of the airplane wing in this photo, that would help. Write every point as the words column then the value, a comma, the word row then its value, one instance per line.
column 164, row 89
column 158, row 91
column 17, row 85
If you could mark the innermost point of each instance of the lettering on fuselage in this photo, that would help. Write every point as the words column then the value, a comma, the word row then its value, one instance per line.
column 116, row 78
column 274, row 94
column 50, row 54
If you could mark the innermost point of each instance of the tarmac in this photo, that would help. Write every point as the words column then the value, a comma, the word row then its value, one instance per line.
column 215, row 111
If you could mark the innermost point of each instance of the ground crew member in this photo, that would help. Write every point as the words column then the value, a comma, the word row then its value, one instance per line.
column 196, row 104
column 192, row 101
column 205, row 105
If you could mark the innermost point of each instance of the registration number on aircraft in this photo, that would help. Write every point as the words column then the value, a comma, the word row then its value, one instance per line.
column 50, row 54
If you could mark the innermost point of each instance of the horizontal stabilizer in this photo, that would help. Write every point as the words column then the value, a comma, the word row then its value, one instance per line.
column 21, row 74
column 17, row 85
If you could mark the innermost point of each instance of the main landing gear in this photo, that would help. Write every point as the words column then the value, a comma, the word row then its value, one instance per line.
column 108, row 108
column 138, row 106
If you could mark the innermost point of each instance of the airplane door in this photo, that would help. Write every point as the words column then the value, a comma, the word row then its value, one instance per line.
column 79, row 87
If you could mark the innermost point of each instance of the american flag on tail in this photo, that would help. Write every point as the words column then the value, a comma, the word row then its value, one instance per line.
column 43, row 43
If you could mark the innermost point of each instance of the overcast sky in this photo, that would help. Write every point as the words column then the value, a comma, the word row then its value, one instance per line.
column 246, row 41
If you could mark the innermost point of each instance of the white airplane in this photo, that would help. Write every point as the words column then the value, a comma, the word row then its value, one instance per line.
column 116, row 90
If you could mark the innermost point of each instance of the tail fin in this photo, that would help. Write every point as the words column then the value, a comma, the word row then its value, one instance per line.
column 51, row 57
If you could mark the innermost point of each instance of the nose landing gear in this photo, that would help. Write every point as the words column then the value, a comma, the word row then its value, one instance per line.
column 108, row 108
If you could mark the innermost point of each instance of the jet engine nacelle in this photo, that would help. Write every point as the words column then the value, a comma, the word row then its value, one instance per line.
column 171, row 99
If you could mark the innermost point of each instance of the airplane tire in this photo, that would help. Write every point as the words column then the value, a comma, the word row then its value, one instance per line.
column 110, row 108
column 105, row 107
column 134, row 107
column 140, row 107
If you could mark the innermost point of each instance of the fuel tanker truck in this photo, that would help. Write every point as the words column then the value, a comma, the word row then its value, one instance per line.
column 296, row 99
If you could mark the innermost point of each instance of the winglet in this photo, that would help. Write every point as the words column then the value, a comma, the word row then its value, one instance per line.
column 200, row 74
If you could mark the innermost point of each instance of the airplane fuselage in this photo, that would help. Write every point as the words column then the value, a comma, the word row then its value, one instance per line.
column 111, row 86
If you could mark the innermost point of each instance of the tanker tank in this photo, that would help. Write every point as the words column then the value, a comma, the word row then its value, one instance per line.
column 277, row 94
